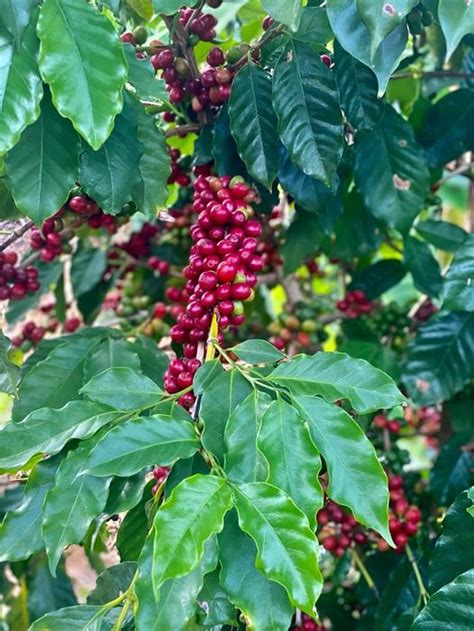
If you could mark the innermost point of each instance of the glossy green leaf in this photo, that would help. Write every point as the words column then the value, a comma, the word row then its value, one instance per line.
column 112, row 582
column 134, row 528
column 16, row 15
column 287, row 550
column 306, row 101
column 78, row 618
column 154, row 167
column 254, row 122
column 423, row 266
column 447, row 130
column 22, row 89
column 401, row 593
column 382, row 357
column 41, row 186
column 390, row 171
column 206, row 374
column 143, row 8
column 149, row 440
column 287, row 12
column 302, row 239
column 314, row 28
column 142, row 76
column 111, row 353
column 439, row 360
column 73, row 502
column 243, row 460
column 338, row 376
column 184, row 469
column 257, row 352
column 47, row 431
column 9, row 372
column 109, row 174
column 175, row 603
column 122, row 388
column 125, row 493
column 452, row 470
column 377, row 278
column 153, row 362
column 381, row 18
column 264, row 603
column 357, row 232
column 293, row 460
column 82, row 60
column 458, row 287
column 456, row 20
column 214, row 602
column 87, row 268
column 442, row 234
column 217, row 404
column 450, row 607
column 352, row 463
column 181, row 535
column 357, row 89
column 454, row 550
column 20, row 531
column 353, row 35
column 56, row 379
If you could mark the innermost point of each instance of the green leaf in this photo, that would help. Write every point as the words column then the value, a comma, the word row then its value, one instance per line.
column 352, row 463
column 112, row 582
column 449, row 608
column 454, row 550
column 48, row 276
column 20, row 531
column 377, row 278
column 146, row 441
column 125, row 493
column 452, row 470
column 153, row 362
column 423, row 266
column 47, row 431
column 56, row 379
column 288, row 12
column 87, row 269
column 243, row 460
column 400, row 594
column 217, row 404
column 314, row 27
column 134, row 528
column 109, row 174
column 257, row 352
column 264, row 603
column 41, row 186
column 142, row 76
column 293, row 460
column 47, row 593
column 9, row 372
column 357, row 89
column 439, row 360
column 381, row 18
column 78, row 618
column 205, row 375
column 337, row 376
column 390, row 171
column 380, row 356
column 111, row 353
column 214, row 602
column 287, row 550
column 122, row 388
column 254, row 122
column 306, row 101
column 442, row 234
column 447, row 130
column 353, row 35
column 302, row 239
column 456, row 20
column 22, row 88
column 458, row 287
column 154, row 166
column 181, row 535
column 16, row 15
column 174, row 605
column 82, row 60
column 169, row 7
column 73, row 502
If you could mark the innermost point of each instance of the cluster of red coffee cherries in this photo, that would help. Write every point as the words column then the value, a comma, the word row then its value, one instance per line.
column 382, row 422
column 404, row 519
column 355, row 303
column 159, row 474
column 31, row 334
column 16, row 282
column 221, row 272
column 339, row 530
column 308, row 624
column 177, row 174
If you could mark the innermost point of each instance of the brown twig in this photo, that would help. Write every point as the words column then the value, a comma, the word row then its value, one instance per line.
column 16, row 234
column 182, row 129
column 261, row 42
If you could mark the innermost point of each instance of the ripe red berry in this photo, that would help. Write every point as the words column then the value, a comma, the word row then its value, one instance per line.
column 215, row 57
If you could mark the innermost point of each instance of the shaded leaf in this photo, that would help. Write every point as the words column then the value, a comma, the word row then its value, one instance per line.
column 78, row 618
column 314, row 27
column 458, row 287
column 423, row 266
column 112, row 582
column 456, row 20
column 442, row 234
column 287, row 12
column 87, row 268
column 257, row 352
column 142, row 76
column 377, row 278
column 9, row 372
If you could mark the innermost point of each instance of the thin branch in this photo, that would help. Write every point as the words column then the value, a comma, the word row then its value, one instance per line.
column 264, row 39
column 416, row 570
column 182, row 129
column 16, row 234
column 463, row 168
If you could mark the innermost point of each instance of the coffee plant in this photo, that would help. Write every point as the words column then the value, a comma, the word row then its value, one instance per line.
column 237, row 306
